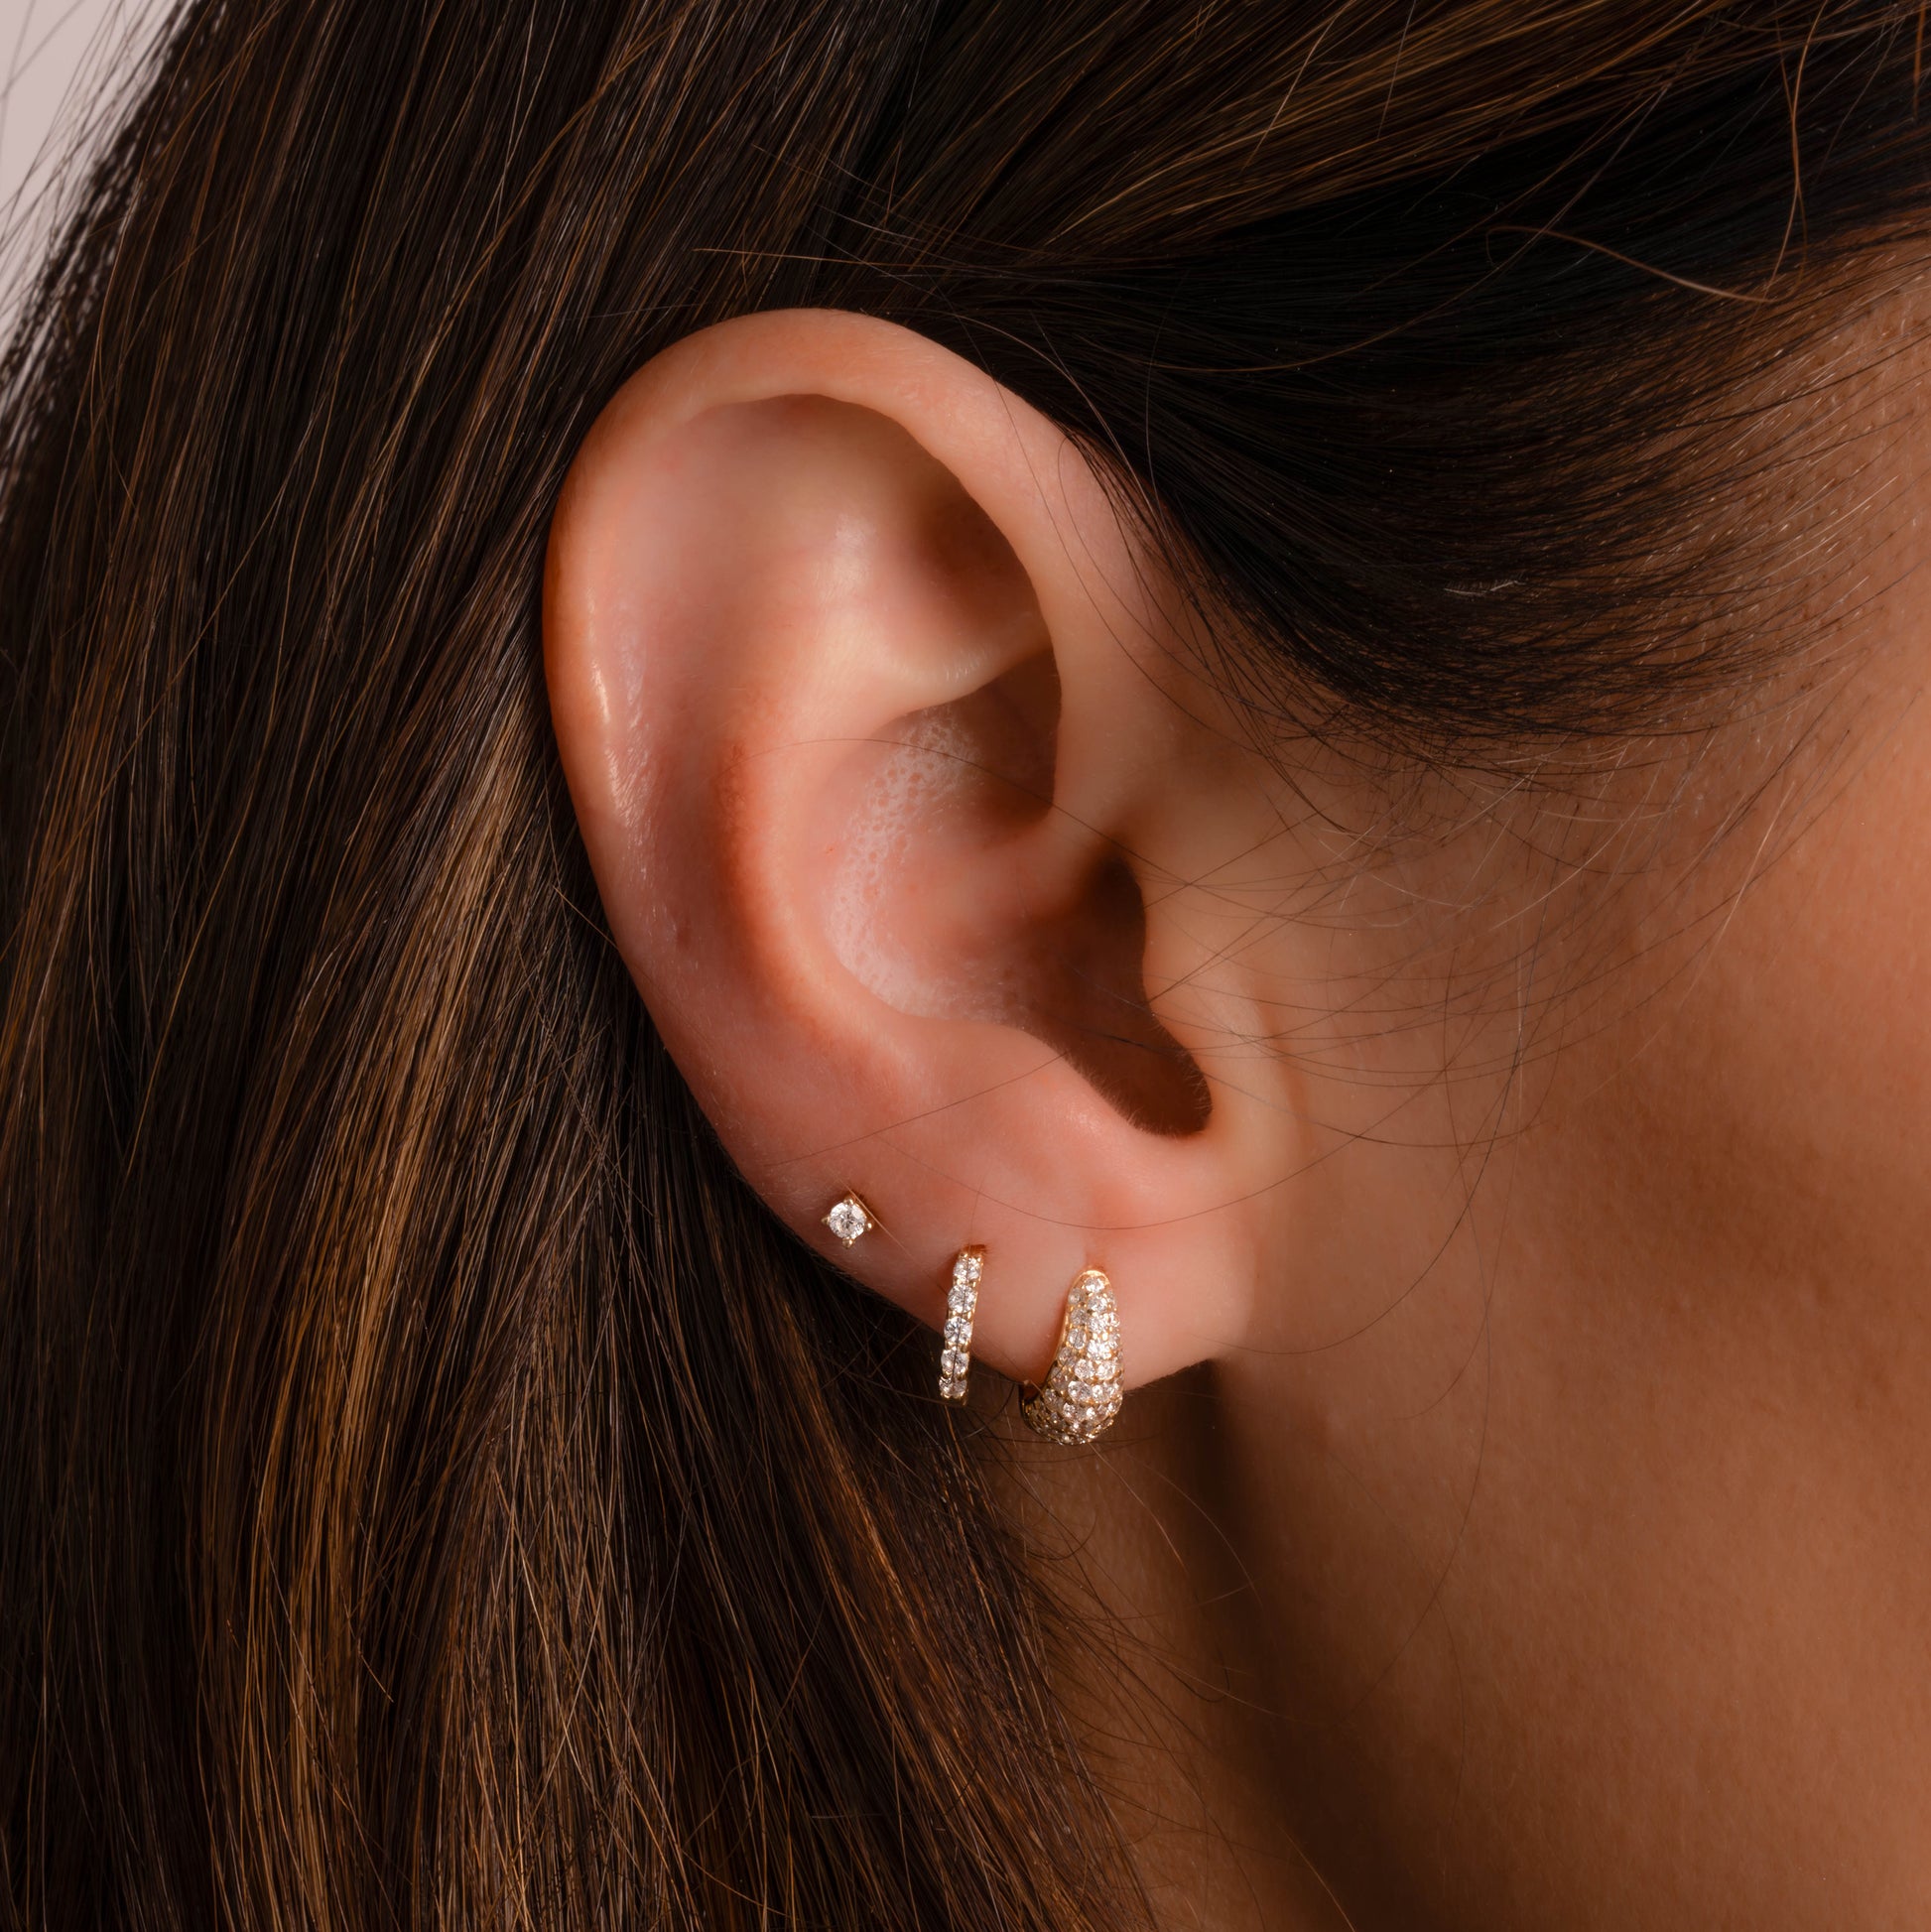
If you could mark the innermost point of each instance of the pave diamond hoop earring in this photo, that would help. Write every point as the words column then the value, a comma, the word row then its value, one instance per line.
column 961, row 1306
column 1081, row 1394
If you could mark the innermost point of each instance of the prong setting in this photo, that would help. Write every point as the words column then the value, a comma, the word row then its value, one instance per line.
column 850, row 1219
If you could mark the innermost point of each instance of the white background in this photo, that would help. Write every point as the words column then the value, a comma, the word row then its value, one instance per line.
column 55, row 57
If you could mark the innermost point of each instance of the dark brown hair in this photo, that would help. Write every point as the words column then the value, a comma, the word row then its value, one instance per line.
column 435, row 1490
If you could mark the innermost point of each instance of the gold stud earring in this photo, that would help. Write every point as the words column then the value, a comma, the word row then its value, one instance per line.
column 850, row 1217
column 961, row 1308
column 1081, row 1394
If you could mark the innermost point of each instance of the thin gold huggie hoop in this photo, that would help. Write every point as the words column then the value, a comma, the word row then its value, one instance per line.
column 961, row 1308
column 1081, row 1394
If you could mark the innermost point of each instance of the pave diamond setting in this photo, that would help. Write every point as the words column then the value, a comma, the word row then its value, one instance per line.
column 850, row 1219
column 1081, row 1394
column 961, row 1308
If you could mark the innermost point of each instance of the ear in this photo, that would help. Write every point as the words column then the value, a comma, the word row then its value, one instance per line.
column 870, row 708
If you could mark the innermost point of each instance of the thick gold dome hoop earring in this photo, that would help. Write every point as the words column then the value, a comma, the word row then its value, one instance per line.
column 1081, row 1394
column 961, row 1309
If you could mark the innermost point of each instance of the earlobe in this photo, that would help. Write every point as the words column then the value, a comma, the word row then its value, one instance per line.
column 845, row 691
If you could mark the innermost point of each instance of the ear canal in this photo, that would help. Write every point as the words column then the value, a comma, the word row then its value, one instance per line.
column 1052, row 949
column 1091, row 1005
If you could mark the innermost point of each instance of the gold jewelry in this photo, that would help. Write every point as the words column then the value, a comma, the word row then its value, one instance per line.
column 962, row 1306
column 850, row 1219
column 1081, row 1394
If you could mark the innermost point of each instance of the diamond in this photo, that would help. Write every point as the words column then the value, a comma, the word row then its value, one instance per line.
column 1080, row 1392
column 958, row 1329
column 850, row 1219
column 966, row 1269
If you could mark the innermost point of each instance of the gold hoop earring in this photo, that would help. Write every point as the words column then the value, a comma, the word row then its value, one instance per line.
column 1081, row 1394
column 961, row 1308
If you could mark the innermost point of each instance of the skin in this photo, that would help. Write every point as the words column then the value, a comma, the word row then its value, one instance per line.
column 1518, row 1517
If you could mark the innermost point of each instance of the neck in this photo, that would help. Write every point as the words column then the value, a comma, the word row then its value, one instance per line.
column 1172, row 1685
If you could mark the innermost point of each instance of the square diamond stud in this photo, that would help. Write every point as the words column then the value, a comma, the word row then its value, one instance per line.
column 850, row 1219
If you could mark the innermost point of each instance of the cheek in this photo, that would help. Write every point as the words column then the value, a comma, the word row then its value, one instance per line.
column 1843, row 938
column 1764, row 1121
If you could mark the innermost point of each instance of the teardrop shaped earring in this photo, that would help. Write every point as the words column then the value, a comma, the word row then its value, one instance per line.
column 1081, row 1392
column 961, row 1309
